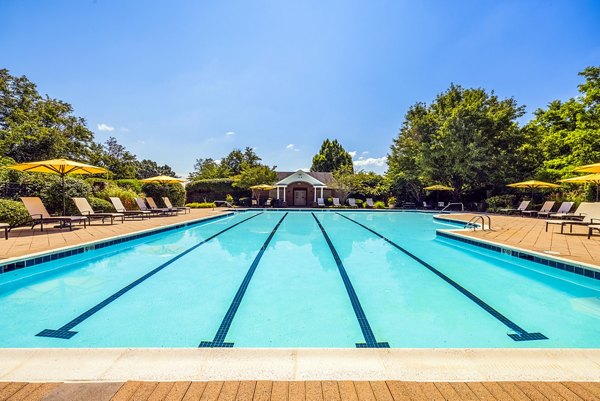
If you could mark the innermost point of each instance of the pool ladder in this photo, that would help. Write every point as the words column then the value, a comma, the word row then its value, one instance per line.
column 473, row 222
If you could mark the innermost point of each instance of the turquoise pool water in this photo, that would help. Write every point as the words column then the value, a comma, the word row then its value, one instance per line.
column 299, row 279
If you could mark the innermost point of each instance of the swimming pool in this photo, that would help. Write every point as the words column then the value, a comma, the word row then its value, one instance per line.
column 299, row 279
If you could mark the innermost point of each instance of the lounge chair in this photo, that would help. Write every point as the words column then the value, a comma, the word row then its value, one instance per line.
column 426, row 206
column 562, row 211
column 39, row 214
column 168, row 204
column 153, row 206
column 336, row 202
column 254, row 202
column 118, row 205
column 589, row 211
column 519, row 209
column 155, row 212
column 320, row 202
column 591, row 228
column 441, row 205
column 86, row 210
column 568, row 215
column 268, row 203
column 546, row 207
column 369, row 203
column 352, row 202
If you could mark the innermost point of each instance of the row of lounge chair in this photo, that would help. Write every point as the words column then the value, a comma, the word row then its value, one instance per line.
column 147, row 208
column 587, row 214
column 351, row 202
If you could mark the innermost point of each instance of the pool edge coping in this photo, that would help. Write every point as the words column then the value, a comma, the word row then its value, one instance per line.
column 412, row 364
column 515, row 251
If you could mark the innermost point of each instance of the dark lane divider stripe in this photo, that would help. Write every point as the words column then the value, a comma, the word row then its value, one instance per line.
column 65, row 331
column 219, row 340
column 370, row 341
column 522, row 334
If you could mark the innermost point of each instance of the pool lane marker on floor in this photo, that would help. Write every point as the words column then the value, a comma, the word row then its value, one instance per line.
column 520, row 335
column 65, row 331
column 219, row 340
column 370, row 341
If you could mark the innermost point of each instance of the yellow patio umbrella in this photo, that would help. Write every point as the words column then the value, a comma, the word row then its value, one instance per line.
column 261, row 187
column 164, row 179
column 437, row 188
column 61, row 167
column 533, row 184
column 590, row 178
column 589, row 168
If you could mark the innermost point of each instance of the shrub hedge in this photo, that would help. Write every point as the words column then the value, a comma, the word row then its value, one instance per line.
column 212, row 190
column 203, row 205
column 12, row 212
column 175, row 192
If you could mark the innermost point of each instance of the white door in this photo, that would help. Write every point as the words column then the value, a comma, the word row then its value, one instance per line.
column 299, row 197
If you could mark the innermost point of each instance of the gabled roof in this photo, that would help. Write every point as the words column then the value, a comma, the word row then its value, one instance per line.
column 286, row 178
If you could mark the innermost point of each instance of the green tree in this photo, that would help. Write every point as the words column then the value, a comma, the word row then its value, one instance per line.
column 236, row 161
column 33, row 127
column 149, row 168
column 207, row 169
column 467, row 139
column 568, row 133
column 116, row 158
column 254, row 176
column 331, row 157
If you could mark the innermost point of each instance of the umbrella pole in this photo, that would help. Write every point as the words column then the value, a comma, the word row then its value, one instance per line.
column 62, row 176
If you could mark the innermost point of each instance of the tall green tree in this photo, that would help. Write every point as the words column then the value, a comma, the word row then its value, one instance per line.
column 116, row 158
column 149, row 168
column 331, row 157
column 568, row 133
column 33, row 127
column 207, row 169
column 255, row 176
column 237, row 160
column 467, row 138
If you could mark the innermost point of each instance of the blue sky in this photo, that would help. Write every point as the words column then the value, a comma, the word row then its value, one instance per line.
column 178, row 80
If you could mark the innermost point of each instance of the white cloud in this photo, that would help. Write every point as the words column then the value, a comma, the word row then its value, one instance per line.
column 352, row 154
column 123, row 129
column 291, row 146
column 230, row 133
column 371, row 161
column 105, row 127
column 366, row 152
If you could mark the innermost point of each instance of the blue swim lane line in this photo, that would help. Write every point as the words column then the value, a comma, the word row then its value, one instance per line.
column 65, row 332
column 370, row 340
column 521, row 334
column 219, row 340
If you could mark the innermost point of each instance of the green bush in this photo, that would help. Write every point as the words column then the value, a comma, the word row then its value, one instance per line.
column 12, row 212
column 131, row 184
column 98, row 184
column 379, row 205
column 52, row 194
column 499, row 202
column 329, row 201
column 100, row 205
column 359, row 203
column 174, row 192
column 229, row 198
column 213, row 189
column 127, row 196
column 391, row 201
column 203, row 205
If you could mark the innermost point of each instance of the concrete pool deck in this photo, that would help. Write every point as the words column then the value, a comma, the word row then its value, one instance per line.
column 301, row 391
